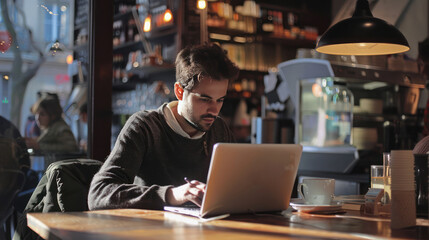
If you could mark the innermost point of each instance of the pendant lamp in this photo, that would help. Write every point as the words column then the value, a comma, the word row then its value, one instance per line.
column 55, row 48
column 362, row 34
column 168, row 15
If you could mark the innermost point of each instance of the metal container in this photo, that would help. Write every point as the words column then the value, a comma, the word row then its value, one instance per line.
column 325, row 114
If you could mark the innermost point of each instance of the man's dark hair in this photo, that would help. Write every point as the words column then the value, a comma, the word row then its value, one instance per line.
column 208, row 60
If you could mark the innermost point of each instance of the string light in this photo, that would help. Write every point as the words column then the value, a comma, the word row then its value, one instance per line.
column 49, row 11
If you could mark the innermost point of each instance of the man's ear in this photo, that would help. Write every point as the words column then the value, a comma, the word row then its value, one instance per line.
column 178, row 91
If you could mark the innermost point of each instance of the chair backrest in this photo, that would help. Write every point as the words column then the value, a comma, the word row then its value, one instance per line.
column 63, row 188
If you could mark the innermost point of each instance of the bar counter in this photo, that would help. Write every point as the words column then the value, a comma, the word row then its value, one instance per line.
column 151, row 224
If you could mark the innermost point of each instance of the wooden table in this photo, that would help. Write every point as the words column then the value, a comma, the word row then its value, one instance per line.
column 149, row 224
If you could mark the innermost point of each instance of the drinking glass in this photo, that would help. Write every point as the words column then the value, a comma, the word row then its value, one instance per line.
column 387, row 177
column 377, row 176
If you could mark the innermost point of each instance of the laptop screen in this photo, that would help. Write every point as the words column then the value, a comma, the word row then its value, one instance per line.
column 247, row 178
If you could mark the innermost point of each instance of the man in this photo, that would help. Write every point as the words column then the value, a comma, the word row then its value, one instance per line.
column 157, row 149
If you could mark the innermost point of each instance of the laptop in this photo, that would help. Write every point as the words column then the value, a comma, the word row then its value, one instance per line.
column 247, row 178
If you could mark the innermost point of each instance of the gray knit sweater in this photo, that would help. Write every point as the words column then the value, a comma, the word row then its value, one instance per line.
column 148, row 158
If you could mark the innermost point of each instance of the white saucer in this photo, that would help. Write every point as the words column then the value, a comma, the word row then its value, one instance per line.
column 299, row 205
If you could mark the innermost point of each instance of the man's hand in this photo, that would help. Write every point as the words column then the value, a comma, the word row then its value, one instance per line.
column 192, row 191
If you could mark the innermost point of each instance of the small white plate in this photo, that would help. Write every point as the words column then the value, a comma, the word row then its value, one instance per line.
column 299, row 205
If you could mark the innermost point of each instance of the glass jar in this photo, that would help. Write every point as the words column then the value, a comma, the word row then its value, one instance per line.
column 326, row 112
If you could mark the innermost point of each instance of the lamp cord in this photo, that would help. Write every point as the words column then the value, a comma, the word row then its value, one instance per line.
column 362, row 9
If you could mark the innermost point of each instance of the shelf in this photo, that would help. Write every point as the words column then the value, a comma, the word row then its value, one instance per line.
column 367, row 117
column 263, row 38
column 120, row 16
column 380, row 118
column 127, row 45
column 147, row 71
column 231, row 32
column 277, row 7
column 298, row 43
column 160, row 32
column 211, row 13
column 123, row 86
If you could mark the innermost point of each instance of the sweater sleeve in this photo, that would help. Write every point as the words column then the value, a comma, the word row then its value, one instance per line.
column 113, row 186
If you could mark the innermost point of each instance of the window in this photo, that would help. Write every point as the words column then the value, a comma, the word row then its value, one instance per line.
column 57, row 22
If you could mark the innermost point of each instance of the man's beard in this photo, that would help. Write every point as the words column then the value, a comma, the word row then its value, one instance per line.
column 198, row 126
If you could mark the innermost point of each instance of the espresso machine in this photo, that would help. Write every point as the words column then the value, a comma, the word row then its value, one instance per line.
column 386, row 104
column 383, row 113
column 347, row 111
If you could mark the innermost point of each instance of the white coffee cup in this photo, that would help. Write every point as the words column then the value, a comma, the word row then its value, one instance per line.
column 317, row 191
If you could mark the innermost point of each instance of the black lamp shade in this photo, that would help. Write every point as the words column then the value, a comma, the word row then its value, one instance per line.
column 362, row 35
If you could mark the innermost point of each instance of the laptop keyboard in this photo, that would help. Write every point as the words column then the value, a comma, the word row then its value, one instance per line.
column 192, row 210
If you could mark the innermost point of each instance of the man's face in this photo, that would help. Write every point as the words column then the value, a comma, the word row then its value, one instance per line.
column 201, row 105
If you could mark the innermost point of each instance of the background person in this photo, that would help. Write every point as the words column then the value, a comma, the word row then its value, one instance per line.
column 56, row 136
column 157, row 149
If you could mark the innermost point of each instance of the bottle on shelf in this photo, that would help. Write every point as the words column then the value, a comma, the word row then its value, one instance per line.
column 266, row 22
column 118, row 33
column 122, row 33
column 132, row 30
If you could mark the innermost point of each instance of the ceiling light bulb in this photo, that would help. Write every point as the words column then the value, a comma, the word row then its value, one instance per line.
column 168, row 16
column 147, row 24
column 366, row 45
column 201, row 4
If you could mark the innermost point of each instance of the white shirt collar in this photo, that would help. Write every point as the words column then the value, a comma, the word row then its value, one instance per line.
column 174, row 124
